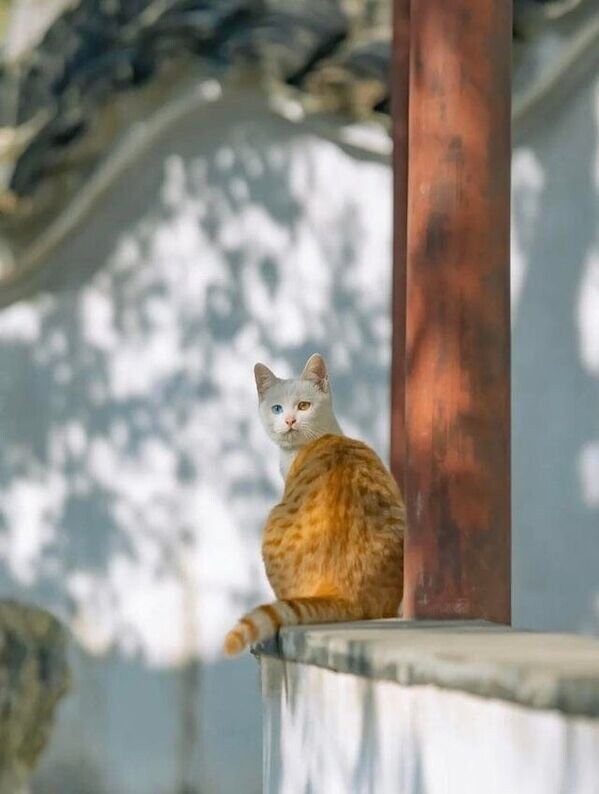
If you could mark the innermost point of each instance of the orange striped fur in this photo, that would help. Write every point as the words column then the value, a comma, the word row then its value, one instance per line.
column 333, row 547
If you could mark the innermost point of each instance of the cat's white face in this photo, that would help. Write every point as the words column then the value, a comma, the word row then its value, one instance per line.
column 299, row 410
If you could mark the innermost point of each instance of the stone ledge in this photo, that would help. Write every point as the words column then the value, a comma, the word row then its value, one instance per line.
column 540, row 671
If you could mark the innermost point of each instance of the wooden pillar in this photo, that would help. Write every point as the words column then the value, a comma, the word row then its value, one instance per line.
column 457, row 390
column 400, row 78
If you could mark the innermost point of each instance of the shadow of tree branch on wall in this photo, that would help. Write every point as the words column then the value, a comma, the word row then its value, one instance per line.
column 135, row 476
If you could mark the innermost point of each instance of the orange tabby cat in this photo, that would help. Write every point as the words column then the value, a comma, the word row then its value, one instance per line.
column 333, row 547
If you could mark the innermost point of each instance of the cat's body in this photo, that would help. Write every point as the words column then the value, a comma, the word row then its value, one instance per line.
column 333, row 546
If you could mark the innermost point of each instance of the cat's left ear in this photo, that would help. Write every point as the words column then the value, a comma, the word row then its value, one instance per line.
column 316, row 371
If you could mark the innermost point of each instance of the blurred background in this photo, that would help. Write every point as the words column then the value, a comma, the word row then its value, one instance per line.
column 187, row 187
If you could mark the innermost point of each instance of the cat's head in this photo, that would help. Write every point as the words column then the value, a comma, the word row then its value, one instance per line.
column 297, row 410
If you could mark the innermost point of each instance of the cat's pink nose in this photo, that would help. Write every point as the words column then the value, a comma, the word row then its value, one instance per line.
column 290, row 421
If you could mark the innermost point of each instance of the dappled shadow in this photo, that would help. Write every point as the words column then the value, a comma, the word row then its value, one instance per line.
column 135, row 476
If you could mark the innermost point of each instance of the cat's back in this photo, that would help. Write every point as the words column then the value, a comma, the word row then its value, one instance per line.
column 335, row 457
column 339, row 528
column 336, row 477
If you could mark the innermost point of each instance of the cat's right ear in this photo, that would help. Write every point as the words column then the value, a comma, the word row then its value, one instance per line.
column 316, row 371
column 264, row 378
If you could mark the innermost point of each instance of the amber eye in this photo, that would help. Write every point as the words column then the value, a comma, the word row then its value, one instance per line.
column 303, row 405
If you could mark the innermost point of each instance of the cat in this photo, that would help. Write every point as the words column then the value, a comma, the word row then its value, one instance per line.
column 333, row 546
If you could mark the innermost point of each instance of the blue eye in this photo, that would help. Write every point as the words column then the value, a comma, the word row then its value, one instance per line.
column 277, row 409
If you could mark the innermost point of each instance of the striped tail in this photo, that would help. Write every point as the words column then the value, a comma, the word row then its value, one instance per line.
column 264, row 621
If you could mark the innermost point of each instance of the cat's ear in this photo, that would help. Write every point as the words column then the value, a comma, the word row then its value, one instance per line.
column 264, row 378
column 316, row 371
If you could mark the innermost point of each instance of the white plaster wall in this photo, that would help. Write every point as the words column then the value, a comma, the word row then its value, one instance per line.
column 342, row 734
column 555, row 367
column 134, row 476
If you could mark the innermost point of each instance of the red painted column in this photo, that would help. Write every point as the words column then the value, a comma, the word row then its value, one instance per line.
column 457, row 389
column 400, row 78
